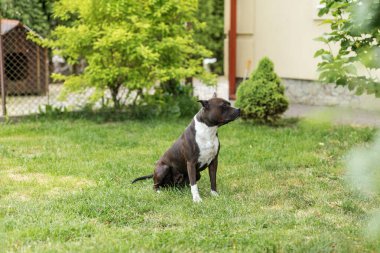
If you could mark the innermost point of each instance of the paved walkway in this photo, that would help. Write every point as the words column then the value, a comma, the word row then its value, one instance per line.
column 338, row 115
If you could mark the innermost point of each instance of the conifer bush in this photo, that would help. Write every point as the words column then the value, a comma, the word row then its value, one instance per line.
column 261, row 97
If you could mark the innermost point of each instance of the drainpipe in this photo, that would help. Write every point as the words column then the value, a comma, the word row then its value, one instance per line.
column 232, row 51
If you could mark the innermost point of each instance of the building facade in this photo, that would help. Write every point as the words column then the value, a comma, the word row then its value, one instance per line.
column 282, row 30
column 285, row 31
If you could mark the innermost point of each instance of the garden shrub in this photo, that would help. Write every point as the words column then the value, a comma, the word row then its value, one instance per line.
column 261, row 97
column 170, row 99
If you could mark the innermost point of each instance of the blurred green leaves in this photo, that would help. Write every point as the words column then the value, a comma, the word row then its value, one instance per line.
column 355, row 31
column 363, row 164
column 364, row 167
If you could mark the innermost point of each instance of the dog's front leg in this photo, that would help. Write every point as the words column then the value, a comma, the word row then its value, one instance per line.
column 191, row 171
column 212, row 173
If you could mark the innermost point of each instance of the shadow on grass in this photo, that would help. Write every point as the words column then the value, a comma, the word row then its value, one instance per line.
column 281, row 123
column 99, row 116
column 127, row 114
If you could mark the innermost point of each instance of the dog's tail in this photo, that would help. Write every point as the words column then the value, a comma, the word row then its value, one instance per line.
column 142, row 178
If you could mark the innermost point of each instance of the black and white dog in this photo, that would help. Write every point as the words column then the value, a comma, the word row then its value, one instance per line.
column 195, row 150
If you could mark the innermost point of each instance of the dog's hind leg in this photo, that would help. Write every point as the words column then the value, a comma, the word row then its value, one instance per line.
column 159, row 175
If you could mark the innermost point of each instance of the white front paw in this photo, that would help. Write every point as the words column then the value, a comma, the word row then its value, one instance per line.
column 197, row 199
column 214, row 193
column 195, row 193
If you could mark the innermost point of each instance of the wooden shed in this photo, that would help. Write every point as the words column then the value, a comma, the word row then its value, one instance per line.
column 26, row 64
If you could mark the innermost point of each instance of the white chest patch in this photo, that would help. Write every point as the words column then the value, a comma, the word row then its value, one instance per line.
column 207, row 141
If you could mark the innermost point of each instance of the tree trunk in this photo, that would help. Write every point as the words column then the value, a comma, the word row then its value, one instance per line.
column 189, row 81
column 115, row 99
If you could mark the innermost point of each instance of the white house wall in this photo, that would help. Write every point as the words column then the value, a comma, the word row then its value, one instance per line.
column 283, row 30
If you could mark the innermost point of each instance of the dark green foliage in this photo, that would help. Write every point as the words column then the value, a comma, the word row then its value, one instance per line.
column 171, row 100
column 211, row 13
column 261, row 97
column 355, row 30
column 164, row 103
column 36, row 14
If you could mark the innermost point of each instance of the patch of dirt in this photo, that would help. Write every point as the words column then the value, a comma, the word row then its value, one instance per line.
column 37, row 184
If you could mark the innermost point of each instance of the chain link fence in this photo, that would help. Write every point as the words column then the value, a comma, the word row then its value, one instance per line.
column 25, row 86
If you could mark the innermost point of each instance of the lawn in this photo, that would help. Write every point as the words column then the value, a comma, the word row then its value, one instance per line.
column 65, row 186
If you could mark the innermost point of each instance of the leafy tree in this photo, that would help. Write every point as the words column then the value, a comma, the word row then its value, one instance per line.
column 130, row 44
column 36, row 14
column 355, row 30
column 212, row 36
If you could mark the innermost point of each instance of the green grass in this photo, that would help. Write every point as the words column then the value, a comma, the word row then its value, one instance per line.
column 65, row 187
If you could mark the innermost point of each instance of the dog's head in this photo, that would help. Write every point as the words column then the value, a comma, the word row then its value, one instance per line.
column 218, row 112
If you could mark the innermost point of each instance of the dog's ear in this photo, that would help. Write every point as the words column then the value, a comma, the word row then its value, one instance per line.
column 214, row 95
column 204, row 103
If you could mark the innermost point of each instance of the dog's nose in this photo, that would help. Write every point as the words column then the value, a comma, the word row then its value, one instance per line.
column 238, row 111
